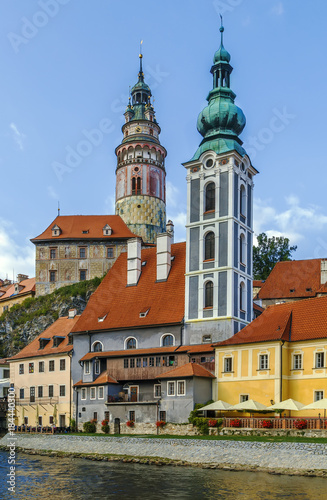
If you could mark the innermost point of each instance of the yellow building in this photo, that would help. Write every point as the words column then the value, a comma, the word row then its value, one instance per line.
column 41, row 376
column 280, row 355
column 16, row 293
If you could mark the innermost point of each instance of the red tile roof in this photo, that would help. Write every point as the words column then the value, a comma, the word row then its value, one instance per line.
column 293, row 321
column 72, row 227
column 188, row 370
column 103, row 378
column 258, row 283
column 151, row 351
column 61, row 328
column 301, row 276
column 121, row 305
column 28, row 287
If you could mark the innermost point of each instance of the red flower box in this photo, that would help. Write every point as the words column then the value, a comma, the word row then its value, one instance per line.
column 300, row 424
column 267, row 424
column 161, row 423
column 130, row 423
column 236, row 423
column 213, row 423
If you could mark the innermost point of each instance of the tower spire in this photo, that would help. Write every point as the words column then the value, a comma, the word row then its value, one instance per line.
column 141, row 74
column 221, row 29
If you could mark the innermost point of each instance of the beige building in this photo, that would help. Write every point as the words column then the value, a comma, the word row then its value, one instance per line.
column 16, row 293
column 77, row 248
column 41, row 376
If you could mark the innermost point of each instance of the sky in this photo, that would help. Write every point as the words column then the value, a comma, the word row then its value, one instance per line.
column 67, row 65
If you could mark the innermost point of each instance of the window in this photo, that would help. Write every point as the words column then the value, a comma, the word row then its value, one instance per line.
column 53, row 253
column 82, row 252
column 110, row 253
column 21, row 369
column 83, row 393
column 40, row 420
column 157, row 390
column 82, row 274
column 51, row 366
column 162, row 416
column 57, row 340
column 21, row 393
column 297, row 362
column 101, row 393
column 86, row 367
column 244, row 397
column 51, row 420
column 228, row 365
column 62, row 364
column 168, row 361
column 32, row 394
column 106, row 415
column 97, row 347
column 151, row 361
column 138, row 362
column 210, row 197
column 145, row 362
column 30, row 367
column 132, row 363
column 181, row 388
column 171, row 388
column 52, row 276
column 92, row 393
column 136, row 185
column 97, row 366
column 242, row 201
column 132, row 416
column 62, row 390
column 263, row 362
column 41, row 366
column 318, row 395
column 320, row 359
column 50, row 391
column 242, row 297
column 242, row 249
column 209, row 246
column 95, row 416
column 40, row 391
column 131, row 343
column 158, row 361
column 208, row 295
column 125, row 363
column 206, row 339
column 168, row 340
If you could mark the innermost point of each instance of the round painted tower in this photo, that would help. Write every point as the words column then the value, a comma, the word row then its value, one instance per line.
column 140, row 173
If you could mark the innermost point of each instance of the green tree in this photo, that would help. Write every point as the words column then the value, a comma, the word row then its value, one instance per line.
column 268, row 252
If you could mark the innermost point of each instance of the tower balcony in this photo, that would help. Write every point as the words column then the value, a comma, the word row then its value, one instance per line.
column 148, row 161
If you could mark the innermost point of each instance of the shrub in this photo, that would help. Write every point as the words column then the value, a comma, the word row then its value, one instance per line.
column 267, row 424
column 236, row 423
column 300, row 424
column 89, row 427
column 72, row 424
column 161, row 423
column 105, row 426
column 130, row 423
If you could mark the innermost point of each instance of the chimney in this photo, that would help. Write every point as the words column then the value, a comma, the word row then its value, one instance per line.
column 323, row 271
column 170, row 229
column 22, row 277
column 72, row 313
column 163, row 256
column 133, row 261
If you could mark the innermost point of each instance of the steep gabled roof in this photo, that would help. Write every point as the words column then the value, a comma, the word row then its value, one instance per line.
column 119, row 306
column 188, row 370
column 72, row 227
column 293, row 321
column 28, row 286
column 292, row 279
column 103, row 378
column 60, row 328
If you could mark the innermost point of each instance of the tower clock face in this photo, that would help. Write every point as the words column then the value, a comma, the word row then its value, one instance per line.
column 138, row 129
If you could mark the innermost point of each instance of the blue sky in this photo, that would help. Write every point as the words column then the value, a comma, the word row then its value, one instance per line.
column 67, row 65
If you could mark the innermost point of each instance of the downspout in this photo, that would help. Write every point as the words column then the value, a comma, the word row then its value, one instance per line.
column 70, row 355
column 281, row 371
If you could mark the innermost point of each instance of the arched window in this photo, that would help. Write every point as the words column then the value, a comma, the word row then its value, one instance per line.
column 210, row 197
column 168, row 340
column 209, row 246
column 136, row 185
column 243, row 201
column 97, row 347
column 151, row 131
column 242, row 249
column 208, row 294
column 131, row 343
column 242, row 297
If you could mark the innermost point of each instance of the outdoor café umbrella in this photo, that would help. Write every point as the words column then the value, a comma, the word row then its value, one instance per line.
column 288, row 404
column 321, row 404
column 217, row 405
column 249, row 405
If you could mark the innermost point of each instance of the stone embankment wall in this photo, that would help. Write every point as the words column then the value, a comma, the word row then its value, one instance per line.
column 144, row 429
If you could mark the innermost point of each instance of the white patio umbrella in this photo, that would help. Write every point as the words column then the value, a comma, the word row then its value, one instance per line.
column 321, row 404
column 217, row 405
column 249, row 405
column 288, row 404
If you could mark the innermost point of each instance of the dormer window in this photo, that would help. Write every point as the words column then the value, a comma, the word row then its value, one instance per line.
column 143, row 314
column 43, row 343
column 56, row 231
column 107, row 231
column 86, row 231
column 57, row 340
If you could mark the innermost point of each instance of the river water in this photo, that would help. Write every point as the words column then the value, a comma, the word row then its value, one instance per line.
column 71, row 478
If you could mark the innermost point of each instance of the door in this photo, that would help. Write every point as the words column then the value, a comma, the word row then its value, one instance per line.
column 32, row 394
column 134, row 393
column 117, row 426
column 62, row 420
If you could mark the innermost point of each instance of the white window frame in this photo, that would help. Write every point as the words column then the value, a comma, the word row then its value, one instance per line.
column 64, row 395
column 297, row 356
column 227, row 357
column 244, row 397
column 174, row 386
column 262, row 356
column 102, row 388
column 21, row 369
column 93, row 390
column 165, row 335
column 315, row 395
column 97, row 367
column 317, row 354
column 127, row 339
column 62, row 369
column 86, row 368
column 83, row 391
column 178, row 391
column 94, row 343
column 154, row 390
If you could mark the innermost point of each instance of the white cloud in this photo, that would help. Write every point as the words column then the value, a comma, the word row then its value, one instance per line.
column 52, row 193
column 14, row 258
column 179, row 220
column 18, row 136
column 172, row 194
column 278, row 9
column 110, row 205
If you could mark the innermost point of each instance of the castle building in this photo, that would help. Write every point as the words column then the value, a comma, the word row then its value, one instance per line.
column 140, row 173
column 218, row 295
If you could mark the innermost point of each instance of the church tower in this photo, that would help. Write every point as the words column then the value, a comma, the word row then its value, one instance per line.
column 140, row 173
column 219, row 217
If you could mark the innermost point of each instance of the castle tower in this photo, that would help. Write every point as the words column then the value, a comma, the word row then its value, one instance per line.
column 219, row 217
column 140, row 173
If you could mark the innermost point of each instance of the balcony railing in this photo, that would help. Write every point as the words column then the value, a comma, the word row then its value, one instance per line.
column 277, row 423
column 141, row 397
column 35, row 401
